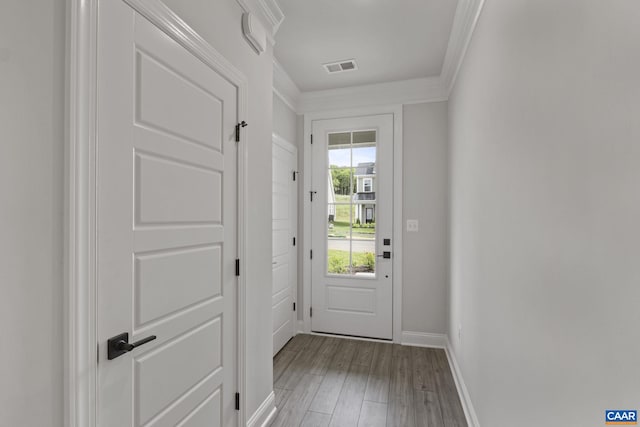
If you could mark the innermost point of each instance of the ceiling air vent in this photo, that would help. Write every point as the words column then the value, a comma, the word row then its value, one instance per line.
column 341, row 66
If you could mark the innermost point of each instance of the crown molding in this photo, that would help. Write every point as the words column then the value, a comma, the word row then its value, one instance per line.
column 269, row 13
column 273, row 13
column 284, row 87
column 464, row 23
column 413, row 91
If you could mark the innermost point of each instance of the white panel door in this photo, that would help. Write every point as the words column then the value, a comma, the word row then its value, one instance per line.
column 284, row 256
column 166, row 200
column 352, row 223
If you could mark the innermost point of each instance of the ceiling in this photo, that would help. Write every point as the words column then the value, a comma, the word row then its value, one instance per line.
column 390, row 40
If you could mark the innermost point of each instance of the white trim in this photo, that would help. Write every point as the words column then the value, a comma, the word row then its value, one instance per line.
column 464, row 23
column 80, row 292
column 396, row 110
column 265, row 412
column 243, row 202
column 414, row 91
column 80, row 217
column 284, row 87
column 273, row 13
column 398, row 232
column 424, row 339
column 306, row 225
column 300, row 324
column 465, row 398
column 269, row 13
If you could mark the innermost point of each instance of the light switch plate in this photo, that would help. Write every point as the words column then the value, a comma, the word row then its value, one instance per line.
column 412, row 225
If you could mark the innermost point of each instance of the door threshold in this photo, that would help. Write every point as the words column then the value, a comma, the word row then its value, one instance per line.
column 352, row 337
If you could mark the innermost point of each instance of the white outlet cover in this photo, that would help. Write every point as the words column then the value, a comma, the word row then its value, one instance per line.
column 412, row 225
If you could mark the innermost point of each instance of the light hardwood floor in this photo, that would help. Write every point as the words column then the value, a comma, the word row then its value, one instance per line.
column 327, row 381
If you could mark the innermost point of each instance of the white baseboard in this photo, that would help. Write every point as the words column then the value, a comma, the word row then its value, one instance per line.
column 424, row 339
column 465, row 399
column 263, row 415
column 300, row 327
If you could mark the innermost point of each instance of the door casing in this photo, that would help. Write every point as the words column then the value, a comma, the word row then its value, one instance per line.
column 81, row 364
column 396, row 111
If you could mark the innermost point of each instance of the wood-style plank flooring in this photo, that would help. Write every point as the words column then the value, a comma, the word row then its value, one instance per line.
column 325, row 381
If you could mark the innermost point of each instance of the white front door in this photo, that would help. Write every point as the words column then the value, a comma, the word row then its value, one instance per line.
column 166, row 229
column 284, row 256
column 352, row 223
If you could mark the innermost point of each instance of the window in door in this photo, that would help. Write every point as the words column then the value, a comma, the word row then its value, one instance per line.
column 351, row 232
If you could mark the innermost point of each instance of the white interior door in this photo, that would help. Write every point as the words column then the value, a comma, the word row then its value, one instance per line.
column 166, row 203
column 352, row 223
column 284, row 258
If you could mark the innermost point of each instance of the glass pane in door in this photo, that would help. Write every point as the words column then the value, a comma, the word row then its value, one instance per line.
column 351, row 203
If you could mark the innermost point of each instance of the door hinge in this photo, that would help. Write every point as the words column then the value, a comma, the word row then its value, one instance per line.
column 310, row 311
column 311, row 254
column 294, row 306
column 238, row 126
column 237, row 267
column 312, row 138
column 311, row 193
column 294, row 175
column 294, row 241
column 237, row 401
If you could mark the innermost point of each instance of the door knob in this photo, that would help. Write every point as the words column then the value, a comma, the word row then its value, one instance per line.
column 385, row 255
column 119, row 345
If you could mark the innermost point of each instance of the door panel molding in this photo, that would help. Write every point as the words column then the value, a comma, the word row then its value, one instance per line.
column 81, row 364
column 396, row 111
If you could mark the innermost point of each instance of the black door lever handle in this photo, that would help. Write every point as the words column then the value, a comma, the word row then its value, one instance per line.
column 123, row 345
column 119, row 345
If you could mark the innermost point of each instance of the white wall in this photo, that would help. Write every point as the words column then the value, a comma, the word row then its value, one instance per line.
column 219, row 22
column 284, row 121
column 426, row 183
column 31, row 218
column 545, row 134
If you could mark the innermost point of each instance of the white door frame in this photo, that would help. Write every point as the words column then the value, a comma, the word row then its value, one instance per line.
column 396, row 110
column 290, row 147
column 81, row 365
